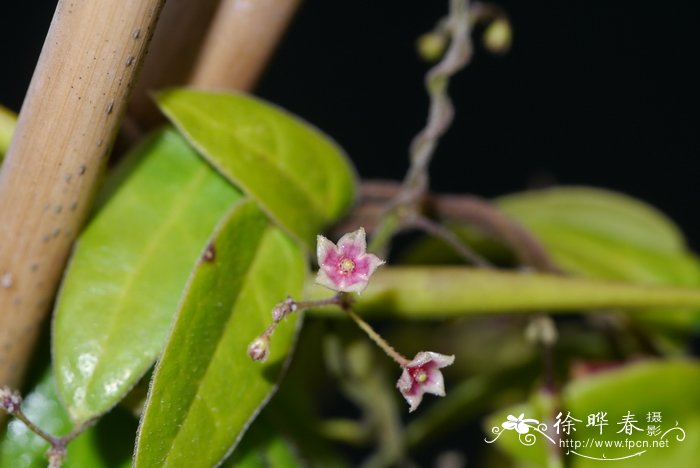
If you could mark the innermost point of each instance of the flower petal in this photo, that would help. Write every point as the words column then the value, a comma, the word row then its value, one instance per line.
column 413, row 401
column 374, row 262
column 435, row 383
column 440, row 360
column 357, row 286
column 323, row 279
column 353, row 244
column 522, row 428
column 509, row 425
column 405, row 382
column 323, row 248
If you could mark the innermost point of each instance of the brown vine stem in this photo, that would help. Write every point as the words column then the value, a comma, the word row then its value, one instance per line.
column 440, row 231
column 11, row 402
column 467, row 209
column 478, row 212
column 68, row 122
column 457, row 30
column 343, row 301
column 441, row 111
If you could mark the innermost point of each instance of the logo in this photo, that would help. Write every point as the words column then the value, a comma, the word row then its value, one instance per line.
column 625, row 435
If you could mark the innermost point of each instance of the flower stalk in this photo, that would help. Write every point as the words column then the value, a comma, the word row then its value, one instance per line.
column 11, row 402
column 347, row 267
column 454, row 30
column 441, row 113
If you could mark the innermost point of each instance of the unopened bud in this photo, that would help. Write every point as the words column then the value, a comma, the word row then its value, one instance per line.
column 542, row 330
column 431, row 46
column 498, row 36
column 259, row 349
column 10, row 400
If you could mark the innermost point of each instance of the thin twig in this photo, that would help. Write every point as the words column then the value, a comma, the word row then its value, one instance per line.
column 441, row 232
column 441, row 111
column 66, row 439
column 342, row 300
column 456, row 28
column 11, row 402
column 374, row 336
column 478, row 212
column 466, row 209
column 19, row 414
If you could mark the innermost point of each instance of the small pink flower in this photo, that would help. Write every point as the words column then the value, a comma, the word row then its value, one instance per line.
column 422, row 375
column 345, row 267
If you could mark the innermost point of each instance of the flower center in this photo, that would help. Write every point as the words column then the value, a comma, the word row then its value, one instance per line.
column 421, row 376
column 346, row 266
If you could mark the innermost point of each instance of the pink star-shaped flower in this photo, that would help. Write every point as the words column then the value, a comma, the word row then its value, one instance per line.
column 422, row 375
column 347, row 266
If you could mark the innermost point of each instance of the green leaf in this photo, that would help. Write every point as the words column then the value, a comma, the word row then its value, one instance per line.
column 640, row 389
column 206, row 390
column 442, row 292
column 292, row 412
column 108, row 444
column 603, row 234
column 8, row 121
column 300, row 177
column 128, row 272
column 601, row 213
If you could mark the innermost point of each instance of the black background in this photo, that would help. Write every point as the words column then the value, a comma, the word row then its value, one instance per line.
column 593, row 92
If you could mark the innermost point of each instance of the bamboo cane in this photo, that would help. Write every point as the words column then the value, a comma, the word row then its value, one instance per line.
column 65, row 130
column 212, row 44
column 241, row 40
column 177, row 41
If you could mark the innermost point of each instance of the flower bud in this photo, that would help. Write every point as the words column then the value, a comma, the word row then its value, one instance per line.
column 259, row 349
column 498, row 36
column 542, row 330
column 10, row 400
column 431, row 46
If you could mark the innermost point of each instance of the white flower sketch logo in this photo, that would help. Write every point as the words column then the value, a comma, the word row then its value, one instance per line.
column 519, row 424
column 529, row 430
column 522, row 426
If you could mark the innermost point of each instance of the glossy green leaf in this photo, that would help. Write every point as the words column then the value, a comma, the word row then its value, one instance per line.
column 602, row 213
column 641, row 388
column 206, row 390
column 298, row 175
column 442, row 292
column 292, row 414
column 106, row 445
column 603, row 234
column 8, row 121
column 128, row 272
